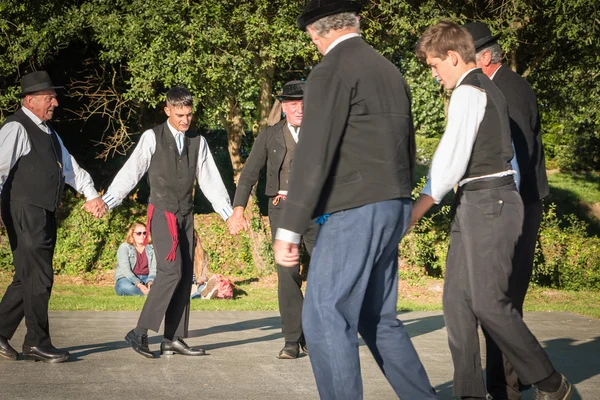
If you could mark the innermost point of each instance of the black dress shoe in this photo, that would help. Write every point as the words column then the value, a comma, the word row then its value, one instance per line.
column 139, row 343
column 564, row 392
column 6, row 350
column 47, row 353
column 168, row 347
column 290, row 351
column 303, row 346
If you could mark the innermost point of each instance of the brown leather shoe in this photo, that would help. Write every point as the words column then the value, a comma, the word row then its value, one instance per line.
column 290, row 351
column 168, row 347
column 564, row 392
column 47, row 353
column 6, row 350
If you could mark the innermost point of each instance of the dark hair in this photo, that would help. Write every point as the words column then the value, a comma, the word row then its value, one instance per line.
column 442, row 37
column 179, row 96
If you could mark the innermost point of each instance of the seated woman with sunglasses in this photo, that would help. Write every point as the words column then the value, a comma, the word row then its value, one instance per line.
column 136, row 267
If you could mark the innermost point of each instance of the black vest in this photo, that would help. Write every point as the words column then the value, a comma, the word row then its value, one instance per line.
column 290, row 146
column 171, row 176
column 37, row 178
column 492, row 150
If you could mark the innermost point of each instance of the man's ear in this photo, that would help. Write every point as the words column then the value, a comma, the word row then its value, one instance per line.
column 167, row 111
column 486, row 58
column 453, row 57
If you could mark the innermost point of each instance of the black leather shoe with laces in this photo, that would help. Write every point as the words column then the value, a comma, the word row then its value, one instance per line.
column 168, row 347
column 564, row 392
column 139, row 343
column 290, row 351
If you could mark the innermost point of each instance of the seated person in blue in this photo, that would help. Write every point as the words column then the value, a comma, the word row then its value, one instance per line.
column 136, row 267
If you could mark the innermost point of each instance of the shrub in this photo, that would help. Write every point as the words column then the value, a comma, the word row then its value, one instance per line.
column 425, row 148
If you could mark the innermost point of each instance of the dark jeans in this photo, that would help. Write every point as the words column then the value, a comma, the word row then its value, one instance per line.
column 502, row 380
column 289, row 281
column 32, row 235
column 485, row 230
column 353, row 288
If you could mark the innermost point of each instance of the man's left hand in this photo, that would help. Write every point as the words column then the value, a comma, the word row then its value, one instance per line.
column 286, row 254
column 97, row 207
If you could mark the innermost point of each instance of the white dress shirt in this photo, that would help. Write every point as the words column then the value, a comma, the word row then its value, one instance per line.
column 14, row 144
column 295, row 131
column 138, row 163
column 340, row 40
column 451, row 158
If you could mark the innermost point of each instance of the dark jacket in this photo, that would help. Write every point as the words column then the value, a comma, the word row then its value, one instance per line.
column 526, row 133
column 358, row 144
column 269, row 147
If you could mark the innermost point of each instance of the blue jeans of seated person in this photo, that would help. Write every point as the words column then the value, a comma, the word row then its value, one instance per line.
column 353, row 288
column 124, row 287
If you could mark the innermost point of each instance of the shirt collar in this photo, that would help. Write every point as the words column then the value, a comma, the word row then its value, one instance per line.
column 33, row 117
column 340, row 39
column 173, row 130
column 462, row 77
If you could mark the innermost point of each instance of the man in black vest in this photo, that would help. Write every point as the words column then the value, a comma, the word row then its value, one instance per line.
column 353, row 170
column 502, row 381
column 34, row 167
column 174, row 157
column 275, row 146
column 475, row 153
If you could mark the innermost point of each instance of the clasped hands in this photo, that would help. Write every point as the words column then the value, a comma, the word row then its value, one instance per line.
column 145, row 289
column 237, row 221
column 97, row 207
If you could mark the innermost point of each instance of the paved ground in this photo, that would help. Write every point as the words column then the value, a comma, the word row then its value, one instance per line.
column 241, row 363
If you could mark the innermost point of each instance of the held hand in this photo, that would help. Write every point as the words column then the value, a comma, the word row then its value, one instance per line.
column 286, row 254
column 237, row 222
column 97, row 207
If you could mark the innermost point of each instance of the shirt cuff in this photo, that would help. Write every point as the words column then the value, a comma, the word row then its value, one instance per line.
column 90, row 193
column 225, row 212
column 110, row 200
column 288, row 236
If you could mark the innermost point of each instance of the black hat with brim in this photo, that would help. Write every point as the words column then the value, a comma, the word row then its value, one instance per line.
column 317, row 9
column 292, row 90
column 36, row 82
column 482, row 36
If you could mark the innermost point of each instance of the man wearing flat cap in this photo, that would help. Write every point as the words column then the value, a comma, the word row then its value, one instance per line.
column 502, row 381
column 275, row 145
column 353, row 171
column 34, row 167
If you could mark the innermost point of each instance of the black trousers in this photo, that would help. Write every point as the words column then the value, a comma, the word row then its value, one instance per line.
column 501, row 378
column 169, row 296
column 289, row 281
column 32, row 235
column 485, row 230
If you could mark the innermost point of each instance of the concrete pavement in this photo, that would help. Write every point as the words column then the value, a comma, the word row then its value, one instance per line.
column 242, row 364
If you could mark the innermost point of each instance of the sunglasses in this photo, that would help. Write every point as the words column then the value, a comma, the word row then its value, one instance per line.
column 140, row 233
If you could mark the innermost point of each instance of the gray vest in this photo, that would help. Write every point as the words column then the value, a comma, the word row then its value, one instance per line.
column 37, row 178
column 290, row 146
column 170, row 175
column 493, row 149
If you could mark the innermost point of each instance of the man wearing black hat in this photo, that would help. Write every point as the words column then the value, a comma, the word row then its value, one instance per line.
column 353, row 170
column 34, row 167
column 502, row 381
column 275, row 146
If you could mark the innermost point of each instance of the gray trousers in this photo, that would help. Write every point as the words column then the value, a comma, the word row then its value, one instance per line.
column 501, row 378
column 484, row 232
column 169, row 296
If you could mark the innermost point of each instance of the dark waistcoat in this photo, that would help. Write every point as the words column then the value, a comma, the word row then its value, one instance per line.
column 493, row 149
column 290, row 145
column 37, row 178
column 171, row 176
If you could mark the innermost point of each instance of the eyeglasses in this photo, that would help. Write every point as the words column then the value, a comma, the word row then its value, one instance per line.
column 141, row 233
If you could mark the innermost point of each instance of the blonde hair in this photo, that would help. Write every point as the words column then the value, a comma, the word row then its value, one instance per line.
column 200, row 260
column 129, row 235
column 446, row 36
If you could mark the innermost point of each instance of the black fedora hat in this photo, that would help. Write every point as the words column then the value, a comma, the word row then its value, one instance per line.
column 36, row 82
column 317, row 9
column 481, row 34
column 292, row 90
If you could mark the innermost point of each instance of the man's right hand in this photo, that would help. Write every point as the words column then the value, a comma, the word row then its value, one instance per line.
column 237, row 222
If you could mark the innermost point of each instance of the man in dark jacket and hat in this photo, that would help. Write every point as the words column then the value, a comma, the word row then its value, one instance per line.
column 34, row 167
column 502, row 381
column 353, row 171
column 275, row 146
